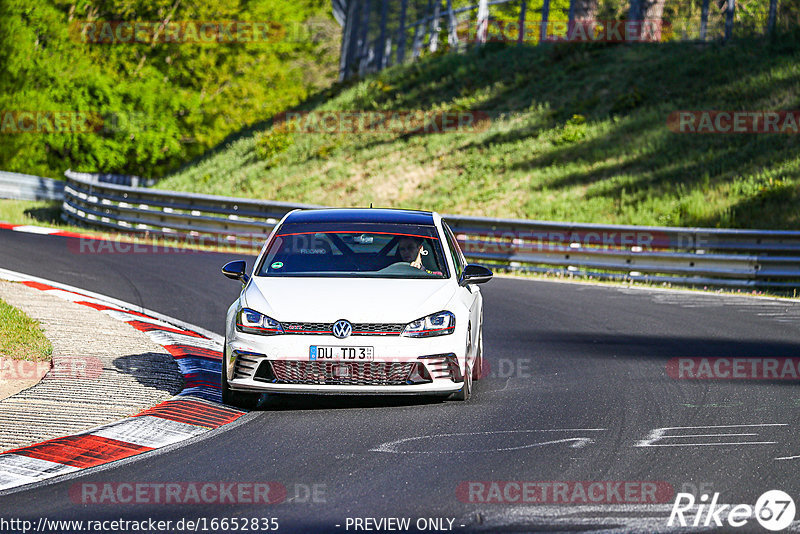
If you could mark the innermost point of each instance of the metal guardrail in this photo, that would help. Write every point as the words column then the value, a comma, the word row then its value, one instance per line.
column 26, row 187
column 118, row 179
column 700, row 256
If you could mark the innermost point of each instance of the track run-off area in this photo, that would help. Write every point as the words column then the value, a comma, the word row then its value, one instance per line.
column 602, row 403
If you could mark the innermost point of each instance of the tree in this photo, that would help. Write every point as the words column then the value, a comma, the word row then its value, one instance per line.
column 582, row 10
column 649, row 12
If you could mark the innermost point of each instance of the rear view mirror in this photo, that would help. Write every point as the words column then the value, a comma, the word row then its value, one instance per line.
column 475, row 274
column 235, row 270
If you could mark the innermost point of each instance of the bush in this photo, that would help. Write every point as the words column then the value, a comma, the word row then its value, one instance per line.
column 574, row 130
column 271, row 143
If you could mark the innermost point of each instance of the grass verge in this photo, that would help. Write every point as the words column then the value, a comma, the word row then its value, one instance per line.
column 32, row 212
column 21, row 338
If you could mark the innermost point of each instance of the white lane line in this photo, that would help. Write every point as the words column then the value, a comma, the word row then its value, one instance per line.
column 168, row 338
column 660, row 434
column 35, row 230
column 127, row 317
column 148, row 431
column 12, row 277
column 711, row 444
column 576, row 442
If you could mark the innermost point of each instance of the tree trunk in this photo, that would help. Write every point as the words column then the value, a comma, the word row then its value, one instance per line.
column 653, row 9
column 652, row 25
column 580, row 10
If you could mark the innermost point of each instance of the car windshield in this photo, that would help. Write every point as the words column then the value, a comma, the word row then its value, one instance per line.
column 355, row 250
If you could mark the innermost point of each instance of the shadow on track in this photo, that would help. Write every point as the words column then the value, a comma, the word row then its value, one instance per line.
column 288, row 402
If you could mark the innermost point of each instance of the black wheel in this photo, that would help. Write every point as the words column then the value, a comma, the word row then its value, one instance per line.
column 235, row 398
column 477, row 369
column 465, row 392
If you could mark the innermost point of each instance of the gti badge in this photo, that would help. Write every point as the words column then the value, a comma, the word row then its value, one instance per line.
column 342, row 329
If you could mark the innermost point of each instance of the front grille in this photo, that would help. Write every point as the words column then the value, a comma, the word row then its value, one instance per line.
column 359, row 329
column 361, row 374
column 307, row 328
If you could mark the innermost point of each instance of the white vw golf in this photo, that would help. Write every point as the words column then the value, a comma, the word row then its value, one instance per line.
column 355, row 301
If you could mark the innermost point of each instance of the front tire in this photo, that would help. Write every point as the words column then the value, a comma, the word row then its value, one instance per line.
column 235, row 398
column 465, row 392
column 477, row 369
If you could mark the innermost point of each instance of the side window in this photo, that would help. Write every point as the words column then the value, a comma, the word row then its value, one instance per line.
column 452, row 244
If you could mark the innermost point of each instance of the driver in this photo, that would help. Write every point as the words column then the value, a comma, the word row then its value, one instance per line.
column 410, row 249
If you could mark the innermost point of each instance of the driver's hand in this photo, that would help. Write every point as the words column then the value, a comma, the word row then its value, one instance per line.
column 417, row 262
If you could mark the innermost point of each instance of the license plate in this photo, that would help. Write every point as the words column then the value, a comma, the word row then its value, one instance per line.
column 332, row 353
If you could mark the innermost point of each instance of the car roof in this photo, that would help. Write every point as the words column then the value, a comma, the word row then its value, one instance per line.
column 359, row 215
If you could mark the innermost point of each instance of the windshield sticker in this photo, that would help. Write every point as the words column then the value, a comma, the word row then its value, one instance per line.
column 277, row 265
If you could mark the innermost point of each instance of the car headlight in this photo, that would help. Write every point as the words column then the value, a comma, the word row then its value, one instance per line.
column 437, row 324
column 252, row 322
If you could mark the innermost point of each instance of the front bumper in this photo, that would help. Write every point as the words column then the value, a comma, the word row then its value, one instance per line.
column 257, row 363
column 431, row 388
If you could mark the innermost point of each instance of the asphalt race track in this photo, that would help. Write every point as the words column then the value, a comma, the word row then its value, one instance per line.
column 578, row 392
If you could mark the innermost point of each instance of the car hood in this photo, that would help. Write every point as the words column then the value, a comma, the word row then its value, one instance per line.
column 360, row 300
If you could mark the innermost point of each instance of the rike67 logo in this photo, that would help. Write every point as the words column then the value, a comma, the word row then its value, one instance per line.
column 774, row 510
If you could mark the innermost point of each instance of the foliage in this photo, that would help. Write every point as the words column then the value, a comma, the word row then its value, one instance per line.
column 160, row 104
column 272, row 143
column 573, row 131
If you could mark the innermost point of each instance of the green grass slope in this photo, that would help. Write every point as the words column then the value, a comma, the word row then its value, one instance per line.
column 578, row 133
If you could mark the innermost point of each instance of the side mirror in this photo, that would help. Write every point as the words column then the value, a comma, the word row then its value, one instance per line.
column 235, row 270
column 475, row 274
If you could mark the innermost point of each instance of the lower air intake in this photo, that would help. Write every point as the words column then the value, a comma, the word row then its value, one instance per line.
column 357, row 374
